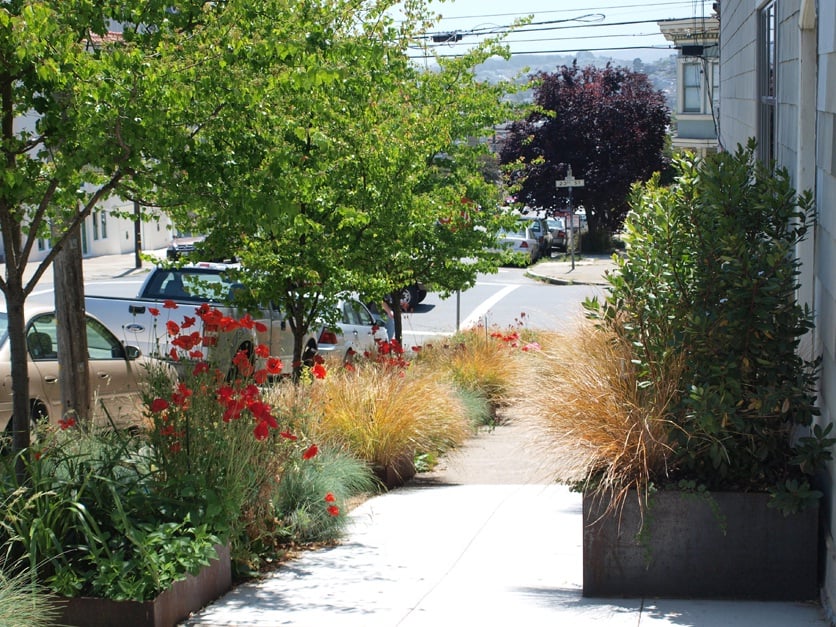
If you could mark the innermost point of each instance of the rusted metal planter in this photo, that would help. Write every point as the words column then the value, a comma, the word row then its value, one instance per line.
column 168, row 609
column 725, row 546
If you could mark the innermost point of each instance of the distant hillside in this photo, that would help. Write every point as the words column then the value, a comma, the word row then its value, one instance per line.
column 662, row 73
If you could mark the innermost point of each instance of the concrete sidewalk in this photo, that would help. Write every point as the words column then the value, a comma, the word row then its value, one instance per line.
column 485, row 540
column 589, row 269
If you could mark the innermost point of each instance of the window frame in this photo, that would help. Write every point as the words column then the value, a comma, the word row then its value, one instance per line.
column 767, row 102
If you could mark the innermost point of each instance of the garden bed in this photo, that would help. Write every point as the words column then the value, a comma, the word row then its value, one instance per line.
column 167, row 609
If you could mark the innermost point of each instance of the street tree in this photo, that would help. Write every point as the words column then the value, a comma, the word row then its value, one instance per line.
column 82, row 113
column 608, row 124
column 331, row 163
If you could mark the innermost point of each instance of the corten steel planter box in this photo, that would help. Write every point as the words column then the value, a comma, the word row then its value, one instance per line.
column 683, row 552
column 168, row 609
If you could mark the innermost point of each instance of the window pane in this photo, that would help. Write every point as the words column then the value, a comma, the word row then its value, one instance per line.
column 691, row 88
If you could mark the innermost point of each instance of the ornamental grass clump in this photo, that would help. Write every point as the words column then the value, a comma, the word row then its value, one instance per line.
column 22, row 600
column 89, row 521
column 706, row 295
column 482, row 360
column 384, row 414
column 612, row 433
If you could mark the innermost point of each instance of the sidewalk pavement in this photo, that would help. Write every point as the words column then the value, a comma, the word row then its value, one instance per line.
column 587, row 269
column 489, row 540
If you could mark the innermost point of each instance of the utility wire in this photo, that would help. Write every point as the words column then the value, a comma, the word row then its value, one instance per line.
column 680, row 3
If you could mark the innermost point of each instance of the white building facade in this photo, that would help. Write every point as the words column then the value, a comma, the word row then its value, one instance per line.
column 778, row 84
column 697, row 80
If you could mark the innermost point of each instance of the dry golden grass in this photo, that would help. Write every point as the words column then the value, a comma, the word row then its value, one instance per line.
column 382, row 414
column 479, row 359
column 611, row 433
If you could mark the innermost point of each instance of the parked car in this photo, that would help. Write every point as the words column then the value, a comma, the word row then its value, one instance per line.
column 521, row 242
column 182, row 244
column 358, row 330
column 557, row 226
column 540, row 228
column 116, row 370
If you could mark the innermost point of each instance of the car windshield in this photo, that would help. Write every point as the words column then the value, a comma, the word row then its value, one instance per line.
column 4, row 326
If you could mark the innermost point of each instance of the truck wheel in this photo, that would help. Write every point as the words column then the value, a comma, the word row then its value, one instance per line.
column 38, row 416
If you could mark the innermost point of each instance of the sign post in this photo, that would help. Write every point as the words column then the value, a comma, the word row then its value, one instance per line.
column 570, row 182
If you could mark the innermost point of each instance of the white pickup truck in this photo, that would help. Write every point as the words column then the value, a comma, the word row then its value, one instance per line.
column 143, row 321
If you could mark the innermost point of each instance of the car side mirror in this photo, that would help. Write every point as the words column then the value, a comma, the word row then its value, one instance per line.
column 132, row 353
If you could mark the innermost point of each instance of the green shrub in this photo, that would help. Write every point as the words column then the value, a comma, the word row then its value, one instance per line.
column 710, row 276
column 90, row 522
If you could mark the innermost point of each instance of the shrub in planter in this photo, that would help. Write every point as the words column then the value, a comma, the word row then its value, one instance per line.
column 706, row 294
column 688, row 378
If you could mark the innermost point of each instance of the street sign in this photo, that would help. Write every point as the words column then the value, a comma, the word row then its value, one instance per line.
column 569, row 183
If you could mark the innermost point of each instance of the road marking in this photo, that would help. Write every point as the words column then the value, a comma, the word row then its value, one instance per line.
column 473, row 319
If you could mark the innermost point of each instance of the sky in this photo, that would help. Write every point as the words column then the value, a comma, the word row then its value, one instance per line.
column 565, row 26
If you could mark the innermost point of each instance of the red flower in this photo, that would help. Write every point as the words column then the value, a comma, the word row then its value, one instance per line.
column 158, row 405
column 262, row 350
column 229, row 324
column 187, row 342
column 333, row 510
column 210, row 316
column 181, row 396
column 202, row 310
column 169, row 304
column 274, row 365
column 313, row 449
column 225, row 394
column 188, row 322
column 247, row 321
column 242, row 362
column 261, row 431
column 318, row 371
column 416, row 349
column 200, row 368
column 154, row 311
column 172, row 327
column 330, row 498
column 172, row 354
column 196, row 354
column 288, row 436
column 260, row 376
column 175, row 447
column 261, row 327
column 349, row 367
column 66, row 423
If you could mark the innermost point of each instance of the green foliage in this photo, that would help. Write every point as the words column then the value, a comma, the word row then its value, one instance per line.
column 710, row 274
column 90, row 523
column 300, row 499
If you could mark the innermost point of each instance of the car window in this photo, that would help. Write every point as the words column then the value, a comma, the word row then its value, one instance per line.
column 360, row 314
column 181, row 284
column 42, row 338
column 101, row 343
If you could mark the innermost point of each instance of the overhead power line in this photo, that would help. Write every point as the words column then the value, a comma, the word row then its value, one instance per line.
column 644, row 5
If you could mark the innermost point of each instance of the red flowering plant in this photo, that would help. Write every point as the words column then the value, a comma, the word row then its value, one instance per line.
column 220, row 445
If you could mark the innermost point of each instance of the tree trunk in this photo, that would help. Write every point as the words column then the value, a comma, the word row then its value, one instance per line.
column 72, row 330
column 396, row 309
